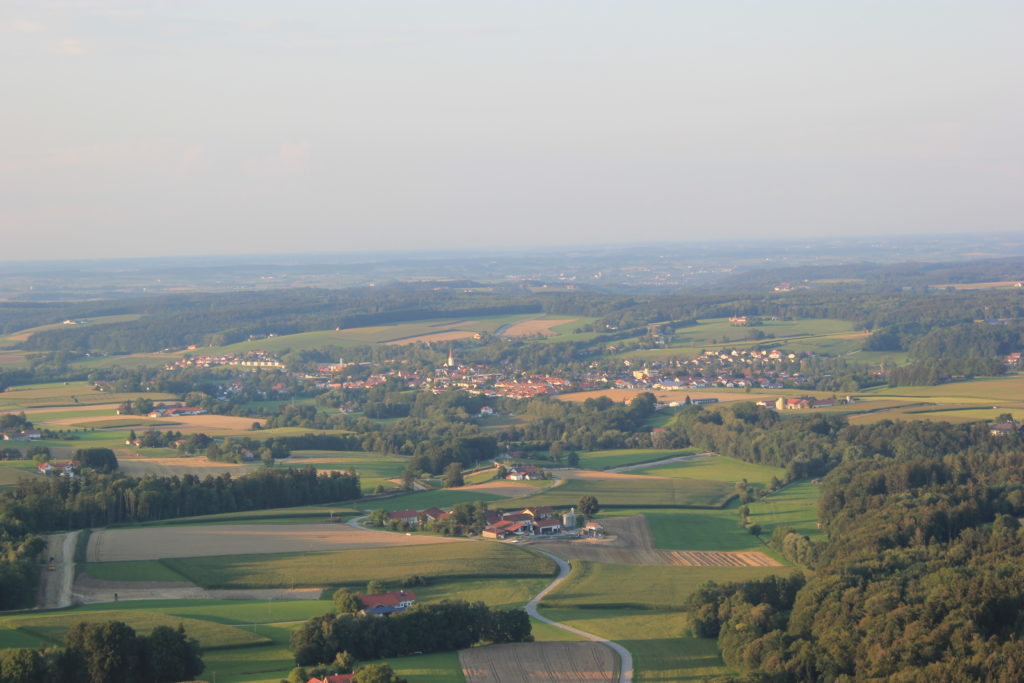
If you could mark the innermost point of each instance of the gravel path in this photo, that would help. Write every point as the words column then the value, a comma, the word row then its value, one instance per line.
column 625, row 658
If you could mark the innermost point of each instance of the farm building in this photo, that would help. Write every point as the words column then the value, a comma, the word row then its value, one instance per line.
column 411, row 517
column 333, row 678
column 379, row 604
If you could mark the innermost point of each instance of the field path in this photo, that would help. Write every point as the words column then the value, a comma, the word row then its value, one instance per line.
column 625, row 658
column 55, row 586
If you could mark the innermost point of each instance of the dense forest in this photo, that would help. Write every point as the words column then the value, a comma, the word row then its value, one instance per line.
column 921, row 576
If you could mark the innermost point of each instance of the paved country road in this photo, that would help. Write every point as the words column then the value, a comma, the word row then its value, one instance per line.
column 625, row 658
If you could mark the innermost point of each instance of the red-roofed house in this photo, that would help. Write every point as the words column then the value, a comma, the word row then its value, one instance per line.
column 386, row 603
column 334, row 678
column 435, row 513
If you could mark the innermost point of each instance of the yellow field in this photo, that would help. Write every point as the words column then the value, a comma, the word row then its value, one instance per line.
column 529, row 328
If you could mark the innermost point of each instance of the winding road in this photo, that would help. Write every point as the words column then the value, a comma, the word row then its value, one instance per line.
column 625, row 658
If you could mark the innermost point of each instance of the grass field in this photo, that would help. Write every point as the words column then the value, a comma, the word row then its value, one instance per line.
column 52, row 628
column 662, row 651
column 708, row 529
column 603, row 460
column 13, row 471
column 795, row 505
column 594, row 585
column 356, row 567
column 372, row 468
column 59, row 394
column 637, row 492
column 442, row 498
column 717, row 468
column 141, row 570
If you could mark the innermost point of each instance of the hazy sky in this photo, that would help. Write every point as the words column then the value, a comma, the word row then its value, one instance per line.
column 187, row 126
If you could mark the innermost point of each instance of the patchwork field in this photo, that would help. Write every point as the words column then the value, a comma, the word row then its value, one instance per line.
column 117, row 545
column 629, row 541
column 70, row 394
column 372, row 468
column 433, row 337
column 540, row 663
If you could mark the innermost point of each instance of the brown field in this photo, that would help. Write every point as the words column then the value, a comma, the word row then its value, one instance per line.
column 107, row 420
column 112, row 407
column 594, row 474
column 11, row 357
column 623, row 395
column 434, row 337
column 509, row 489
column 153, row 543
column 208, row 424
column 135, row 466
column 629, row 541
column 530, row 328
column 540, row 663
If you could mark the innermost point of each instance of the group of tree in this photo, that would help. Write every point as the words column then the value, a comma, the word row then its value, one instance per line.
column 107, row 652
column 422, row 628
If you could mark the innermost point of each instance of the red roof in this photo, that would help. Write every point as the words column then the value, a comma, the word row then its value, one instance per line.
column 334, row 678
column 435, row 513
column 545, row 523
column 386, row 599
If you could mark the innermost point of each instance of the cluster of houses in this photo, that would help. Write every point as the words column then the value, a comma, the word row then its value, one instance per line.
column 803, row 402
column 22, row 435
column 524, row 473
column 174, row 411
column 725, row 368
column 63, row 469
column 250, row 359
column 532, row 521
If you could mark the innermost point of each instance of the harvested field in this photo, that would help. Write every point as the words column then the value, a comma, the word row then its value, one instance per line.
column 629, row 541
column 530, row 328
column 169, row 467
column 433, row 337
column 623, row 395
column 153, row 543
column 557, row 662
column 208, row 424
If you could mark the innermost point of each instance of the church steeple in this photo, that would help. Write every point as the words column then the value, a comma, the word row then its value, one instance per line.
column 451, row 358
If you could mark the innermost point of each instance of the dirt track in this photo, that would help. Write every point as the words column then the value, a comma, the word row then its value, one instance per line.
column 55, row 586
column 539, row 663
column 152, row 543
column 629, row 541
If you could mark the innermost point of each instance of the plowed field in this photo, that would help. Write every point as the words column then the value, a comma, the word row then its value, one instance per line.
column 540, row 663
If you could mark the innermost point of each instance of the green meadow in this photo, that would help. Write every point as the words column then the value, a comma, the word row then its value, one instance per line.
column 716, row 468
column 467, row 559
column 596, row 585
column 638, row 492
column 604, row 460
column 372, row 468
column 795, row 505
